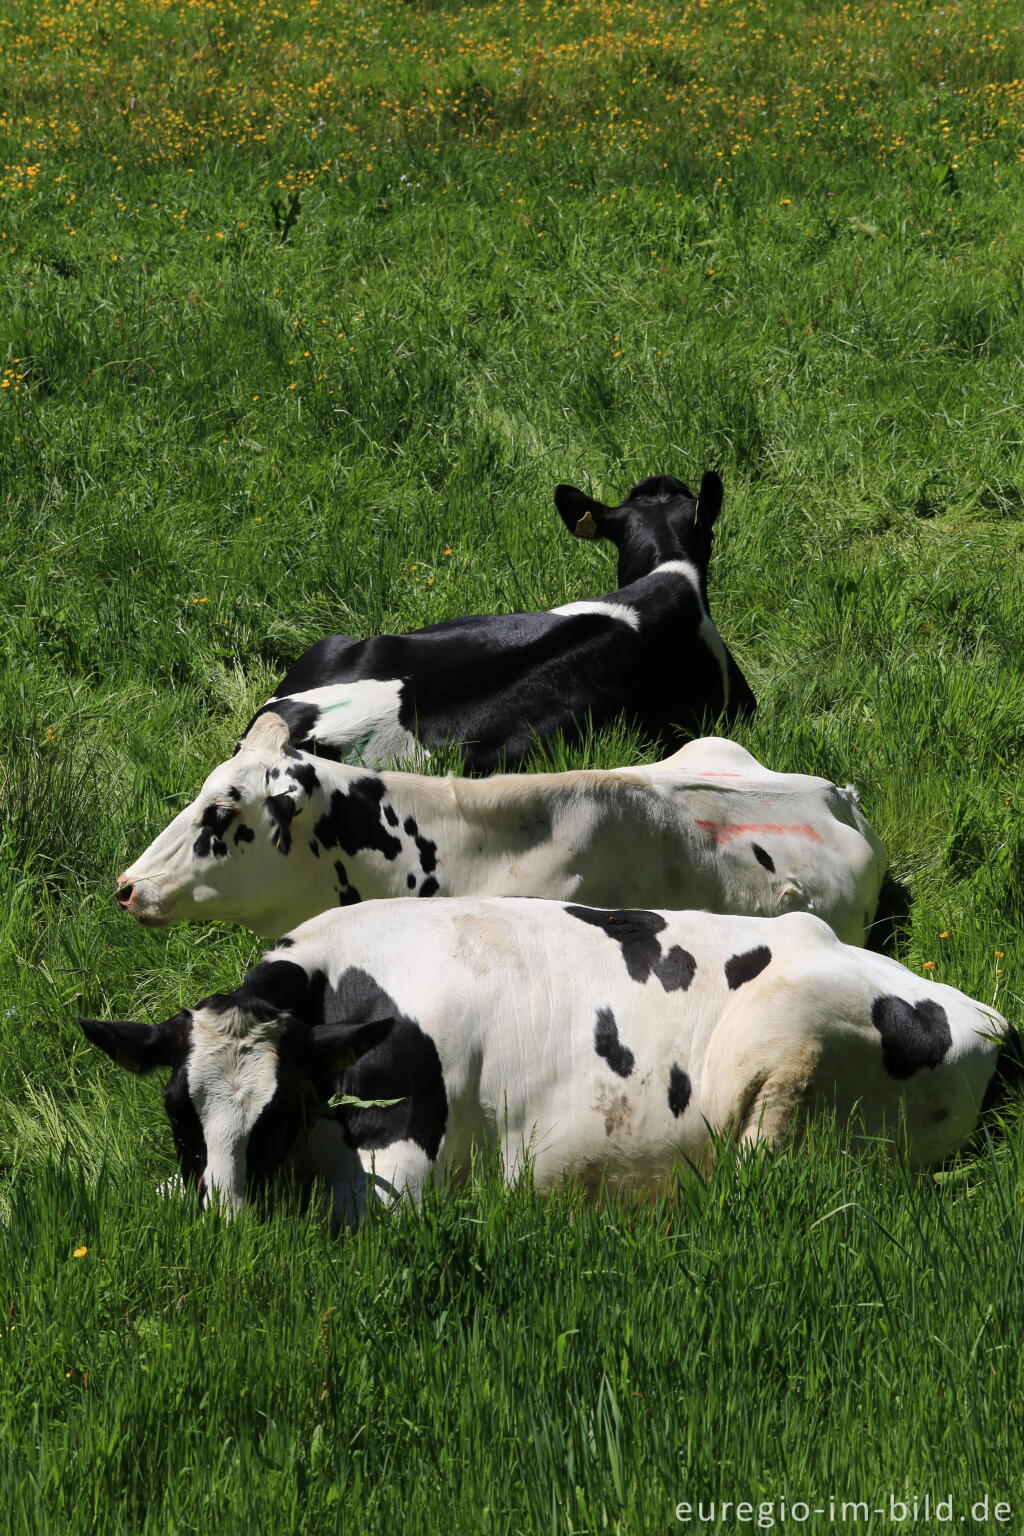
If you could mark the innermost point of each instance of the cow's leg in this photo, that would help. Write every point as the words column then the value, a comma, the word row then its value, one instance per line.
column 397, row 1172
column 389, row 1175
column 775, row 1101
column 350, row 1196
column 761, row 1063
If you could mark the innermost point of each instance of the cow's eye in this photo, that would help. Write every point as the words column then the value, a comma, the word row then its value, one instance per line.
column 218, row 818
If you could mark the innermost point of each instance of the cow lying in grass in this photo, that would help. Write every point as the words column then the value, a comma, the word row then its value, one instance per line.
column 276, row 836
column 499, row 683
column 607, row 1045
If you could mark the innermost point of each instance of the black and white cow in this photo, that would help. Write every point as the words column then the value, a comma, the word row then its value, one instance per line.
column 276, row 835
column 498, row 683
column 607, row 1045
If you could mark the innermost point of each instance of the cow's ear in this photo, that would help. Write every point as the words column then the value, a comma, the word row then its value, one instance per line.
column 580, row 513
column 268, row 733
column 137, row 1047
column 709, row 500
column 337, row 1046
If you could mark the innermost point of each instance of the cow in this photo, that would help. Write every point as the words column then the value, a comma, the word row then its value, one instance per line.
column 611, row 1046
column 499, row 683
column 277, row 835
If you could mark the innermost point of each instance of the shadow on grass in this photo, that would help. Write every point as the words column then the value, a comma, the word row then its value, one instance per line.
column 891, row 928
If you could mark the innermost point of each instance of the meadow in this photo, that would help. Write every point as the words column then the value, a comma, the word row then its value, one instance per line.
column 304, row 309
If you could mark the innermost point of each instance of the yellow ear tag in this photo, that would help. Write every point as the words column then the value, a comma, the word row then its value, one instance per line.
column 586, row 528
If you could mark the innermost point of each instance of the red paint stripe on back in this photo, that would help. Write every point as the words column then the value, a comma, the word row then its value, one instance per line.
column 723, row 831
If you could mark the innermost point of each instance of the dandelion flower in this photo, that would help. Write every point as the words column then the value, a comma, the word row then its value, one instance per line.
column 80, row 1253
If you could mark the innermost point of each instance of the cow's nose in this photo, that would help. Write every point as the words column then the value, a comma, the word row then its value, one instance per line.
column 124, row 894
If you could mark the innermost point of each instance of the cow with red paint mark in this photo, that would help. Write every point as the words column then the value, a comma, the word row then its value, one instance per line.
column 276, row 836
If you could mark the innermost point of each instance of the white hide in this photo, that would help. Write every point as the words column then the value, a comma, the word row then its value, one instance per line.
column 362, row 719
column 509, row 992
column 682, row 833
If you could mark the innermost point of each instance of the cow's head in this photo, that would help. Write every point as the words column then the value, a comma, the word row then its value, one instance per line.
column 225, row 856
column 247, row 1088
column 661, row 519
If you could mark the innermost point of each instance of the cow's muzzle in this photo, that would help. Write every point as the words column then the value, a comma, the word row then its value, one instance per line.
column 131, row 900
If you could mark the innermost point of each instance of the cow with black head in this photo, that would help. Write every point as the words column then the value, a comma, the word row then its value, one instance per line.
column 497, row 684
column 378, row 1046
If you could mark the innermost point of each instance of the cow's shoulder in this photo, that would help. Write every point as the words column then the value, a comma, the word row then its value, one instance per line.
column 400, row 1082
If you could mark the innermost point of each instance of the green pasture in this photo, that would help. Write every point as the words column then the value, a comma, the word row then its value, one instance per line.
column 304, row 310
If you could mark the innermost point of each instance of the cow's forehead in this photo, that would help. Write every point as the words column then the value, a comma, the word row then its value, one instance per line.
column 224, row 1025
column 658, row 496
column 233, row 1055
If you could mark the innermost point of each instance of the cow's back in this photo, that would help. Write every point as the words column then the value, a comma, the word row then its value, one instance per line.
column 604, row 1041
column 498, row 684
column 768, row 843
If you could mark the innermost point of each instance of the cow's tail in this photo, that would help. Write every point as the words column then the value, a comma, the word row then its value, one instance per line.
column 849, row 795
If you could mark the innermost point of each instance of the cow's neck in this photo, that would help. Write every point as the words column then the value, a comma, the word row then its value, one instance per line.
column 415, row 811
column 643, row 552
column 454, row 818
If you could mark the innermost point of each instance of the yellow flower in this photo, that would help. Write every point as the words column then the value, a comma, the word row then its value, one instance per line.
column 944, row 934
column 929, row 965
column 80, row 1253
